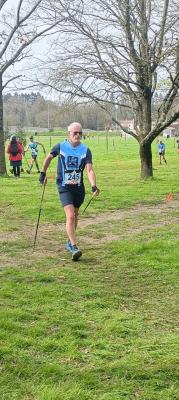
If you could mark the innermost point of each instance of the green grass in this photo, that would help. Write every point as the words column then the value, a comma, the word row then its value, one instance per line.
column 104, row 328
column 118, row 168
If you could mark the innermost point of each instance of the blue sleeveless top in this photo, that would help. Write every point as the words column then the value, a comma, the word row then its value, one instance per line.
column 33, row 148
column 71, row 163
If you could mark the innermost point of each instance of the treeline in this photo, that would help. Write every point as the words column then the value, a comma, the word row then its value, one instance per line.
column 33, row 110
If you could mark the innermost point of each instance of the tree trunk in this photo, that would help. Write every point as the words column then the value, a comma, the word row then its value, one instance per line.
column 2, row 144
column 146, row 160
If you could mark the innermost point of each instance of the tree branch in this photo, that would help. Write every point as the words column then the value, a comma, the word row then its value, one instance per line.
column 19, row 51
column 2, row 2
column 18, row 24
column 160, row 127
column 162, row 30
column 18, row 12
column 10, row 80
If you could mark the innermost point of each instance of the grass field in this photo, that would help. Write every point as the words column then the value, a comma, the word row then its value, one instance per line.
column 106, row 327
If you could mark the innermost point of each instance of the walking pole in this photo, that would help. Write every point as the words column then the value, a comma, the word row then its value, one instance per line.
column 27, row 161
column 40, row 209
column 88, row 203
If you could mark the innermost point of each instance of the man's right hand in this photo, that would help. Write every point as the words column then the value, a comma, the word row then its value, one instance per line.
column 42, row 178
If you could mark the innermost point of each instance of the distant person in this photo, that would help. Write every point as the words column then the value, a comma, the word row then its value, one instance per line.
column 20, row 141
column 73, row 158
column 15, row 150
column 33, row 147
column 161, row 152
column 177, row 141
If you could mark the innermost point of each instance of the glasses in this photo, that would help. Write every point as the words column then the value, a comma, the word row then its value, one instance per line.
column 77, row 133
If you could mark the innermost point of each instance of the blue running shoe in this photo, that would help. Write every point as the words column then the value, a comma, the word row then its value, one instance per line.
column 68, row 246
column 76, row 253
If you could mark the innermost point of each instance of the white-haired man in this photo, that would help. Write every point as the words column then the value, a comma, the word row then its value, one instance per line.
column 73, row 158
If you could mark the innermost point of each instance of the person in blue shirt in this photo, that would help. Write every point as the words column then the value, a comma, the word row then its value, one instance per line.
column 177, row 146
column 73, row 158
column 161, row 152
column 33, row 147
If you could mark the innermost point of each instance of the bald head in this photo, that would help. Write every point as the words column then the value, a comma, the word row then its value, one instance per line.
column 74, row 133
column 74, row 127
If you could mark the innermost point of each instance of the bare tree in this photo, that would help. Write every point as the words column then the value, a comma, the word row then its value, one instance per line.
column 26, row 22
column 117, row 50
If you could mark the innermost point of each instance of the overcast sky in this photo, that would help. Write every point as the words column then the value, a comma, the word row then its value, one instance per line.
column 39, row 50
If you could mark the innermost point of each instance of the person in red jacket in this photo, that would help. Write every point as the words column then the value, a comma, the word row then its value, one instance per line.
column 15, row 150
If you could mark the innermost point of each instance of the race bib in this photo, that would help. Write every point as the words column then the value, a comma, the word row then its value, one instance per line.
column 72, row 178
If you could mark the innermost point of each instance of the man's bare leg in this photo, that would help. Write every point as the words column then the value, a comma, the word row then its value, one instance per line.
column 76, row 217
column 70, row 222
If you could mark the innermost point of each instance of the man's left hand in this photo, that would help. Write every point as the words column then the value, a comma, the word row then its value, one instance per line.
column 95, row 190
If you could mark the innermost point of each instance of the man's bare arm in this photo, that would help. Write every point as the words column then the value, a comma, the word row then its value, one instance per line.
column 47, row 162
column 92, row 178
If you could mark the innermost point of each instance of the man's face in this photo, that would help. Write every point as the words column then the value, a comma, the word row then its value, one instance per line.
column 75, row 134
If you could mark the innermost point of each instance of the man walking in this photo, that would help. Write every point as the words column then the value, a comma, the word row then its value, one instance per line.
column 73, row 158
column 161, row 152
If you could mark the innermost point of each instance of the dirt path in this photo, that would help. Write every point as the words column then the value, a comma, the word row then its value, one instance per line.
column 127, row 222
column 162, row 210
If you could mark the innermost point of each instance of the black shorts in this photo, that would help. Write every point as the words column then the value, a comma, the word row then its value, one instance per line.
column 74, row 197
column 34, row 156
